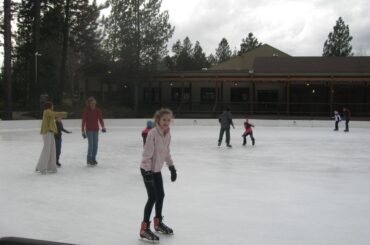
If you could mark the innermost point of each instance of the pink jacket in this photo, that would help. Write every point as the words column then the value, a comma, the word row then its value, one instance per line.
column 156, row 150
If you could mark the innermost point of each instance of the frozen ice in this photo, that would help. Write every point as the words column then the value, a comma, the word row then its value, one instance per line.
column 302, row 183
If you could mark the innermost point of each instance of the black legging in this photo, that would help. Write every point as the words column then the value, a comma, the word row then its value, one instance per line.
column 155, row 196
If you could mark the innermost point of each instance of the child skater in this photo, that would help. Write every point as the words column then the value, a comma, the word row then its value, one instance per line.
column 144, row 133
column 156, row 152
column 47, row 160
column 58, row 138
column 248, row 131
column 337, row 120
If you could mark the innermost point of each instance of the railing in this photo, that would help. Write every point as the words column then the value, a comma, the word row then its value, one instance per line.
column 263, row 108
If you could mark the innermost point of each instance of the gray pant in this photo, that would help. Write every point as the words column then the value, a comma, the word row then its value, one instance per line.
column 227, row 131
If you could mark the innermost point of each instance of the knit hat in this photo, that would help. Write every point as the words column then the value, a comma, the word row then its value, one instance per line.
column 149, row 124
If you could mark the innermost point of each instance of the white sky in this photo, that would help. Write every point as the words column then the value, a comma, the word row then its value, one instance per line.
column 297, row 27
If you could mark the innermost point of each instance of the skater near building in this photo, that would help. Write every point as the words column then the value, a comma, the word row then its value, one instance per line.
column 225, row 120
column 337, row 119
column 144, row 133
column 58, row 138
column 156, row 152
column 248, row 131
column 347, row 117
column 91, row 118
column 47, row 160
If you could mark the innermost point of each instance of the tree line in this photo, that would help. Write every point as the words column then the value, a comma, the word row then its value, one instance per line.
column 55, row 41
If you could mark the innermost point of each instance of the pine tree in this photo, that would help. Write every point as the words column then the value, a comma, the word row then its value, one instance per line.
column 223, row 51
column 137, row 33
column 137, row 36
column 199, row 57
column 7, row 80
column 339, row 41
column 250, row 42
column 184, row 61
column 212, row 60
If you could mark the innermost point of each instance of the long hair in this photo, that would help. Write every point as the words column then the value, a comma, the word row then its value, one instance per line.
column 160, row 113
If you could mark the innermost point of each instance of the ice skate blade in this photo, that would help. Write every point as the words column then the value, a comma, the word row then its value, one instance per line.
column 164, row 233
column 148, row 241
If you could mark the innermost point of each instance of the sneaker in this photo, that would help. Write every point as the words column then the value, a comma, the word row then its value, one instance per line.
column 90, row 162
column 94, row 162
column 59, row 164
column 228, row 145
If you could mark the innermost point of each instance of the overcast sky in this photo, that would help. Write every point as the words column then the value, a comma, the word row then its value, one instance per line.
column 297, row 27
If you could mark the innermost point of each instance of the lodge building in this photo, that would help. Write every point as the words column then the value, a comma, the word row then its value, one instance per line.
column 264, row 81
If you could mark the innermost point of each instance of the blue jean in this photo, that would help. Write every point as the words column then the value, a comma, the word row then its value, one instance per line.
column 92, row 149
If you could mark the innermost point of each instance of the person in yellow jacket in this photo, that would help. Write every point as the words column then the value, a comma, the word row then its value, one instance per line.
column 47, row 160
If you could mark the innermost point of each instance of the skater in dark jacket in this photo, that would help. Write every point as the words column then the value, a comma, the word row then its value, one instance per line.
column 156, row 153
column 225, row 120
column 248, row 131
column 58, row 138
column 144, row 133
column 347, row 117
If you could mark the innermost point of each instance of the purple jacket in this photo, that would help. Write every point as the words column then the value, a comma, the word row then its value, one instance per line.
column 156, row 150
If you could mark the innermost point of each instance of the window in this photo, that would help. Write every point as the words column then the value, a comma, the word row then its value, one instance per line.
column 178, row 93
column 267, row 96
column 239, row 94
column 151, row 95
column 207, row 94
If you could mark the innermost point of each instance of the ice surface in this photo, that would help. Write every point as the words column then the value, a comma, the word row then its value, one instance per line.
column 302, row 183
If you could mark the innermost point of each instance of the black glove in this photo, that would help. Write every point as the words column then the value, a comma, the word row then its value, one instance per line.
column 84, row 135
column 173, row 173
column 148, row 176
column 103, row 130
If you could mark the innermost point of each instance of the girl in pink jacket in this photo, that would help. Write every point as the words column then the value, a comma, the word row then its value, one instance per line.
column 156, row 152
column 248, row 131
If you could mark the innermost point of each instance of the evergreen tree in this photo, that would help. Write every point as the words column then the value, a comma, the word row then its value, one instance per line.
column 199, row 57
column 186, row 57
column 184, row 60
column 250, row 42
column 7, row 79
column 212, row 60
column 223, row 51
column 339, row 41
column 137, row 36
column 137, row 33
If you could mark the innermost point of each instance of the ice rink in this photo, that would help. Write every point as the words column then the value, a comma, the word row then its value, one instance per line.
column 302, row 183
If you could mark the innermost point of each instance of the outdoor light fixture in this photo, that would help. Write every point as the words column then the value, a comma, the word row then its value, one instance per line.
column 235, row 84
column 313, row 91
column 307, row 84
column 171, row 84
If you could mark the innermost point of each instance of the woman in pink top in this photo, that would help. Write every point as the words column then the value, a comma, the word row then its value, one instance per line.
column 156, row 152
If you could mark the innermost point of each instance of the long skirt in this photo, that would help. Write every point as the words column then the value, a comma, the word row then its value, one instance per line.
column 47, row 160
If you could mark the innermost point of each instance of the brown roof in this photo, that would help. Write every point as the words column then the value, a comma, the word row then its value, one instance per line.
column 246, row 60
column 312, row 65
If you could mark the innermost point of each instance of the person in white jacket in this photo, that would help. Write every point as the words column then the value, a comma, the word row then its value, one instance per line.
column 337, row 120
column 156, row 153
